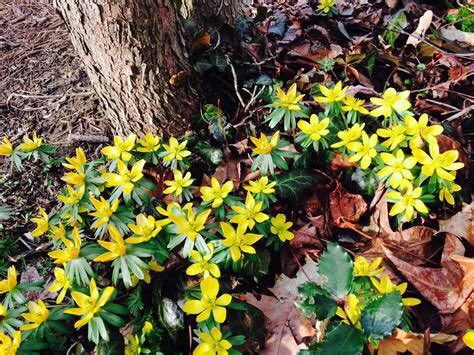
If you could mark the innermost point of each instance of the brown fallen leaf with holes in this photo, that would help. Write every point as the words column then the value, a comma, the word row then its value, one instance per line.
column 346, row 205
column 460, row 224
column 447, row 287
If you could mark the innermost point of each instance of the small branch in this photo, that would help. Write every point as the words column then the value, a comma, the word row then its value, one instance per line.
column 236, row 86
column 460, row 113
column 39, row 249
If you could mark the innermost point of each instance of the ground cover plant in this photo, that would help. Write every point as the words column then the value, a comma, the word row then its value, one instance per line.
column 321, row 217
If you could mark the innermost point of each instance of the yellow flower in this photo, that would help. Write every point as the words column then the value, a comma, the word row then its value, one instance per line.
column 103, row 210
column 9, row 346
column 407, row 201
column 147, row 328
column 212, row 343
column 77, row 178
column 468, row 338
column 89, row 306
column 280, row 227
column 395, row 135
column 248, row 215
column 365, row 150
column 397, row 167
column 74, row 195
column 6, row 148
column 178, row 183
column 3, row 311
column 116, row 249
column 290, row 99
column 421, row 131
column 261, row 186
column 72, row 250
column 385, row 285
column 190, row 224
column 58, row 232
column 237, row 241
column 349, row 135
column 31, row 144
column 215, row 192
column 125, row 178
column 61, row 282
column 121, row 148
column 176, row 150
column 167, row 213
column 42, row 223
column 144, row 229
column 445, row 193
column 37, row 315
column 209, row 302
column 336, row 94
column 353, row 104
column 441, row 164
column 326, row 5
column 9, row 283
column 150, row 144
column 154, row 266
column 314, row 129
column 390, row 102
column 76, row 163
column 362, row 267
column 352, row 311
column 202, row 265
column 262, row 145
column 133, row 347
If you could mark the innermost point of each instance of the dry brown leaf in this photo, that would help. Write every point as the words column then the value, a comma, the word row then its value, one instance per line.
column 461, row 224
column 464, row 39
column 460, row 320
column 339, row 163
column 444, row 287
column 229, row 170
column 423, row 25
column 307, row 237
column 344, row 204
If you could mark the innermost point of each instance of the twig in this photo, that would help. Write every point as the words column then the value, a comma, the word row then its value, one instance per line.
column 39, row 249
column 236, row 86
column 88, row 138
column 460, row 113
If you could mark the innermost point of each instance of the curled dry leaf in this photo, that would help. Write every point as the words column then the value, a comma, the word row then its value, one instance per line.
column 346, row 205
column 447, row 287
column 338, row 163
column 461, row 224
column 423, row 25
column 307, row 237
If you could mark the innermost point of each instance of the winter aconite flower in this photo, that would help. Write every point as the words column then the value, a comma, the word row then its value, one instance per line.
column 10, row 346
column 126, row 179
column 445, row 193
column 280, row 227
column 315, row 129
column 326, row 5
column 121, row 148
column 37, row 315
column 237, row 241
column 364, row 151
column 212, row 343
column 103, row 210
column 9, row 284
column 290, row 99
column 209, row 302
column 71, row 251
column 144, row 229
column 30, row 145
column 6, row 147
column 408, row 201
column 467, row 338
column 190, row 224
column 149, row 144
column 390, row 103
column 250, row 214
column 42, row 223
column 337, row 93
column 436, row 163
column 89, row 305
column 421, row 131
column 202, row 265
column 352, row 311
column 397, row 167
column 216, row 193
column 74, row 195
column 179, row 183
column 385, row 285
column 363, row 268
column 351, row 134
column 353, row 104
column 76, row 163
column 261, row 185
column 395, row 136
column 263, row 145
column 175, row 150
column 115, row 249
column 61, row 282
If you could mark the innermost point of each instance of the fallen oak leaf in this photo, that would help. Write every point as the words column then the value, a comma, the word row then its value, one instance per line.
column 460, row 224
column 346, row 205
column 444, row 287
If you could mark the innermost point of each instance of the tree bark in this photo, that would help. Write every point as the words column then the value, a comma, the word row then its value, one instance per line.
column 131, row 49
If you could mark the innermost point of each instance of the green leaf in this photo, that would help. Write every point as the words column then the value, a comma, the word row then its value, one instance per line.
column 336, row 265
column 256, row 265
column 341, row 340
column 213, row 156
column 395, row 24
column 115, row 345
column 292, row 185
column 315, row 300
column 381, row 316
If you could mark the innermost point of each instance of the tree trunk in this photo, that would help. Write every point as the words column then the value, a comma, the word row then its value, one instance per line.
column 131, row 49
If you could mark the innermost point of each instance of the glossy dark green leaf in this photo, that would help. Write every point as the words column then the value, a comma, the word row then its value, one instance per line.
column 336, row 266
column 315, row 300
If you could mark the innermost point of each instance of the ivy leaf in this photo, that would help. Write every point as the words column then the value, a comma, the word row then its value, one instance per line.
column 315, row 300
column 341, row 340
column 292, row 185
column 336, row 265
column 381, row 316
